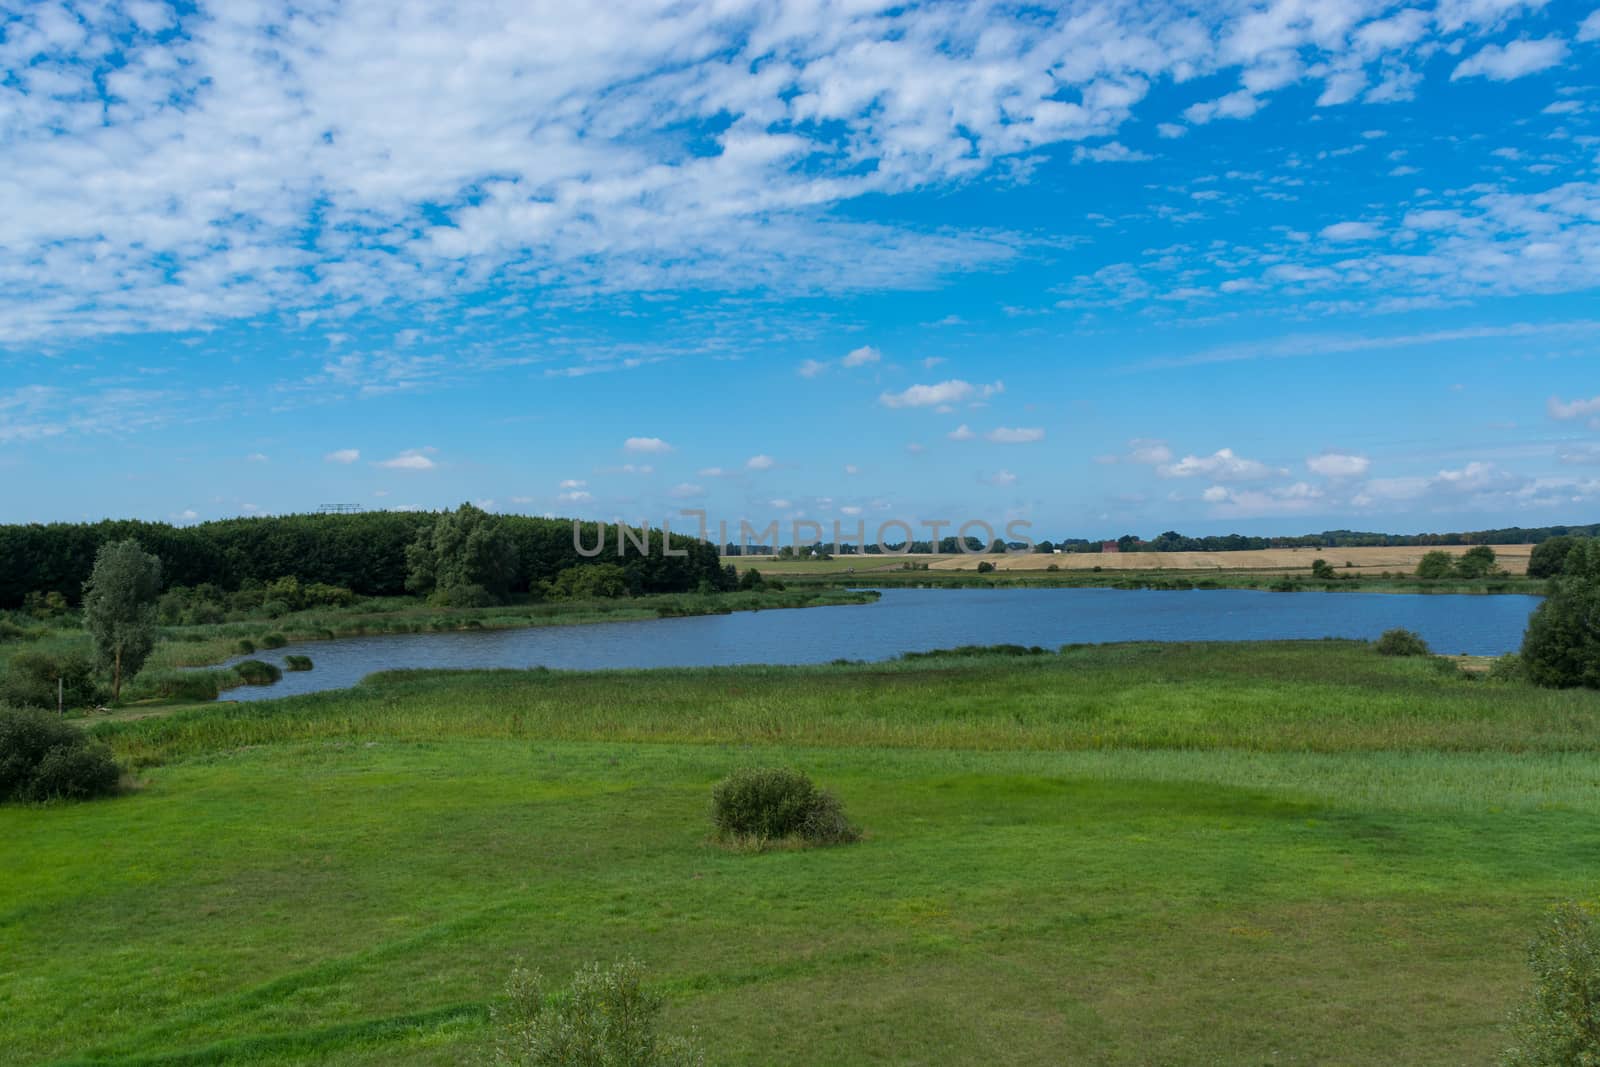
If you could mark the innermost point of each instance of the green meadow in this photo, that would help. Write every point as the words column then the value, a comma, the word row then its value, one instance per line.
column 1281, row 853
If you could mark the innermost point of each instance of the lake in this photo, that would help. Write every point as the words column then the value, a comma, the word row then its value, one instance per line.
column 915, row 620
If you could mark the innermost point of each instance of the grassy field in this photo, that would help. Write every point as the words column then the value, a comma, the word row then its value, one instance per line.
column 1241, row 854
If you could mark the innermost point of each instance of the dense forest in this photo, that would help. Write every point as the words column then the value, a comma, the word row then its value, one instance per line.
column 363, row 552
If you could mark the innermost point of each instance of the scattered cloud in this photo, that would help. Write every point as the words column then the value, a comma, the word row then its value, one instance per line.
column 1350, row 231
column 1514, row 60
column 646, row 446
column 950, row 392
column 1015, row 435
column 961, row 433
column 1223, row 466
column 1000, row 478
column 860, row 357
column 343, row 455
column 760, row 463
column 412, row 459
column 1338, row 465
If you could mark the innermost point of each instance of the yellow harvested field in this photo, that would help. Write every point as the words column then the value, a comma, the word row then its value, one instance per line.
column 1512, row 558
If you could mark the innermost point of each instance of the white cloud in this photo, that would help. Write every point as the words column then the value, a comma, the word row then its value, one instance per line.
column 1350, row 231
column 412, row 459
column 961, row 433
column 343, row 455
column 1111, row 152
column 954, row 391
column 760, row 463
column 1563, row 410
column 712, row 472
column 851, row 469
column 1000, row 478
column 1223, row 465
column 1338, row 465
column 781, row 504
column 811, row 368
column 1297, row 499
column 646, row 445
column 1170, row 130
column 1236, row 105
column 575, row 496
column 861, row 357
column 1015, row 435
column 687, row 491
column 256, row 457
column 573, row 483
column 1589, row 28
column 1514, row 60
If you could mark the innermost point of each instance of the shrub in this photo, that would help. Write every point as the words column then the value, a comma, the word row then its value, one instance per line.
column 297, row 663
column 257, row 672
column 44, row 758
column 1559, row 1023
column 1507, row 668
column 272, row 609
column 245, row 646
column 273, row 640
column 1562, row 646
column 1549, row 557
column 1321, row 568
column 1399, row 642
column 605, row 1017
column 1477, row 562
column 462, row 596
column 597, row 581
column 178, row 685
column 774, row 803
column 30, row 680
column 1437, row 564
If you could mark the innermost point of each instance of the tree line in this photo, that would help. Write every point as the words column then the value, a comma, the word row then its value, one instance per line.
column 365, row 553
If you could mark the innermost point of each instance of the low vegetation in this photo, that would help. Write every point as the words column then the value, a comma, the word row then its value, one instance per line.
column 297, row 663
column 43, row 758
column 606, row 1017
column 766, row 806
column 1559, row 1023
column 1401, row 642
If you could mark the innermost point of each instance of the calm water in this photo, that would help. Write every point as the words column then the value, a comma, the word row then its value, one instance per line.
column 908, row 620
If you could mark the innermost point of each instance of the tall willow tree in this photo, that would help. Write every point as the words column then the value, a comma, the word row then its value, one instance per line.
column 119, row 608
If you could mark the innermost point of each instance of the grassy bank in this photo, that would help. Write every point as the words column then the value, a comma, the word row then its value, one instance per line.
column 1126, row 854
column 167, row 674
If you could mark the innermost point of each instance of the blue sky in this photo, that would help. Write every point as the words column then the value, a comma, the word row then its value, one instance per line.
column 1269, row 267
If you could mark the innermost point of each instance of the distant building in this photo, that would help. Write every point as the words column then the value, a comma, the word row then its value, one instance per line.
column 1108, row 547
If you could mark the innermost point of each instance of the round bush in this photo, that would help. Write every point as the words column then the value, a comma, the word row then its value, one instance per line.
column 245, row 646
column 297, row 663
column 44, row 758
column 771, row 803
column 1399, row 642
column 273, row 640
column 257, row 672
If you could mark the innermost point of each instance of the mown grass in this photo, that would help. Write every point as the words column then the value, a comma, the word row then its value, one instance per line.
column 1274, row 853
